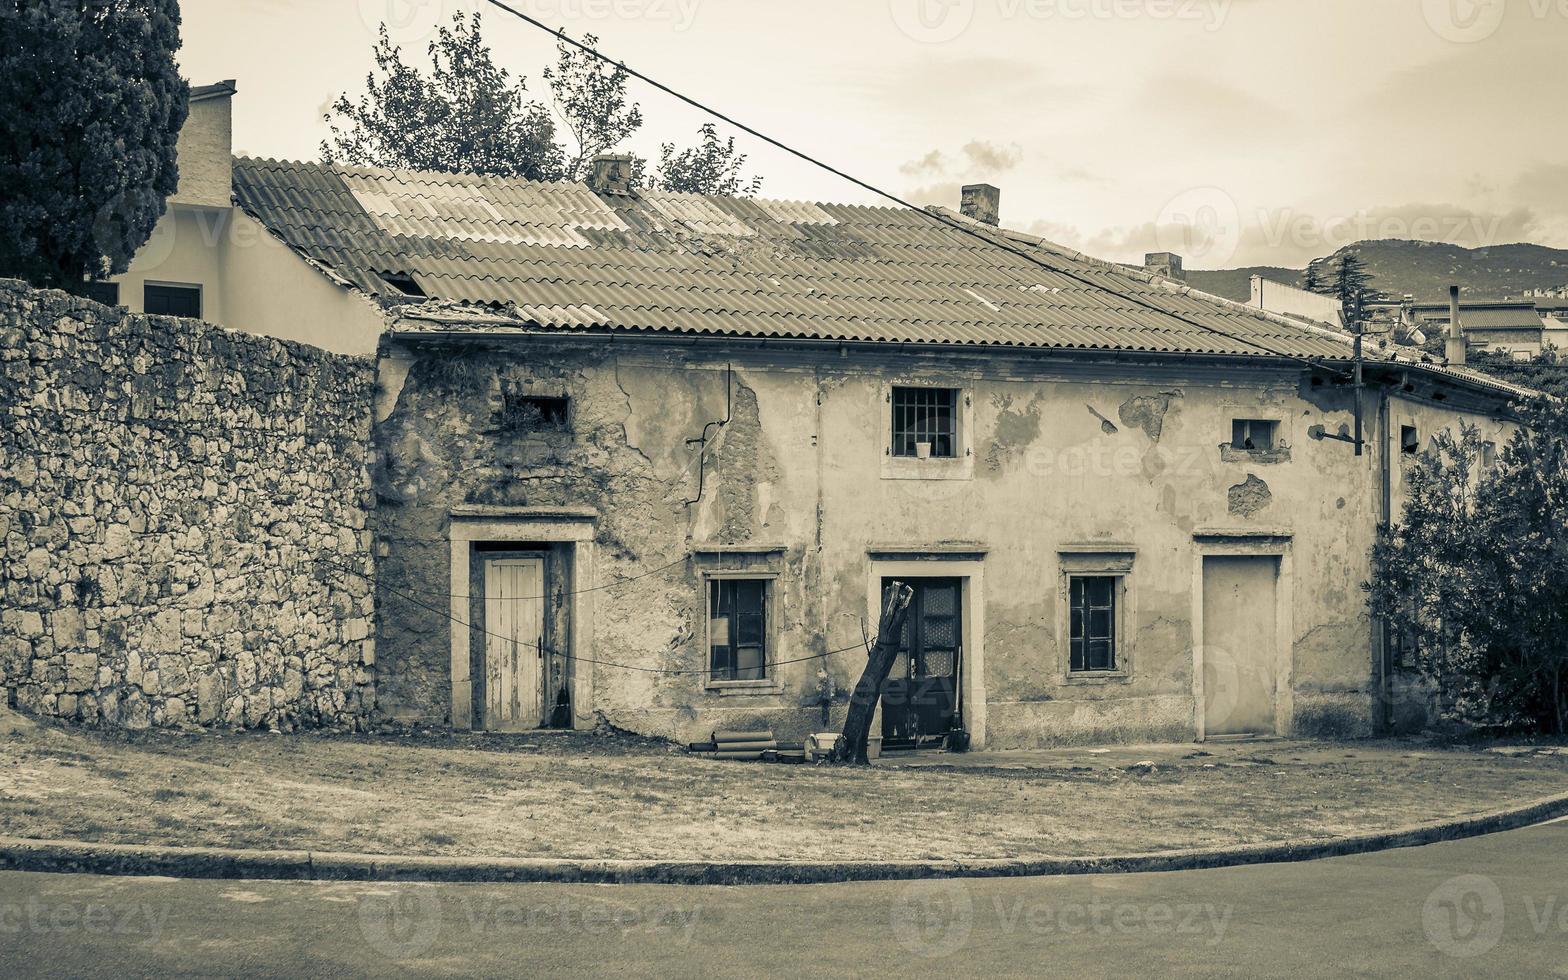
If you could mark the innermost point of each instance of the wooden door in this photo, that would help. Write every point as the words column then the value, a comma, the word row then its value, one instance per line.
column 920, row 698
column 1240, row 644
column 514, row 640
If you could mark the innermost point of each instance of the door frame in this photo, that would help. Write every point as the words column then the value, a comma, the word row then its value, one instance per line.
column 1249, row 543
column 485, row 560
column 971, row 579
column 571, row 527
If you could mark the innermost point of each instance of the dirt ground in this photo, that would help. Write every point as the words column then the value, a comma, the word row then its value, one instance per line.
column 587, row 796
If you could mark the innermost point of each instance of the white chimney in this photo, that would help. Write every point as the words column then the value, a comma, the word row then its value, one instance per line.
column 1454, row 347
column 206, row 148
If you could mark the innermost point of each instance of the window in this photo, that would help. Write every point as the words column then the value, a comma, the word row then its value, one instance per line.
column 533, row 413
column 1092, row 638
column 1488, row 454
column 1409, row 440
column 738, row 629
column 169, row 300
column 1253, row 434
column 925, row 423
column 107, row 293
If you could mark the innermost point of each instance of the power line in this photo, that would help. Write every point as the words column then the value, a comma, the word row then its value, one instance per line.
column 597, row 588
column 604, row 663
column 563, row 37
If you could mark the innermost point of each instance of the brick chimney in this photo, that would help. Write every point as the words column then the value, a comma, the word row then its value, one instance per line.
column 982, row 202
column 612, row 173
column 1454, row 347
column 1167, row 264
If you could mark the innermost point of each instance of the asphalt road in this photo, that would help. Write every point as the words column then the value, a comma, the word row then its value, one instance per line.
column 1489, row 907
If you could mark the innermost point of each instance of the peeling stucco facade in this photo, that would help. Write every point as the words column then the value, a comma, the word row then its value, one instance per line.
column 1066, row 465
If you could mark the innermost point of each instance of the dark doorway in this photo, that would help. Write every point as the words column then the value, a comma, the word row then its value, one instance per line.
column 920, row 698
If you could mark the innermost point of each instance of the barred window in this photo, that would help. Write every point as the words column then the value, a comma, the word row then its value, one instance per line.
column 737, row 629
column 925, row 422
column 1093, row 633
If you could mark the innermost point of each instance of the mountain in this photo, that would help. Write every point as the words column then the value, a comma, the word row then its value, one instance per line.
column 1237, row 283
column 1425, row 269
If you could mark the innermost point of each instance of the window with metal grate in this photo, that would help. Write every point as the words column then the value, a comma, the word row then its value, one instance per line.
column 925, row 422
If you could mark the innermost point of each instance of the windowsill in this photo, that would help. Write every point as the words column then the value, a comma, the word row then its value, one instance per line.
column 728, row 688
column 912, row 468
column 1093, row 677
column 1255, row 457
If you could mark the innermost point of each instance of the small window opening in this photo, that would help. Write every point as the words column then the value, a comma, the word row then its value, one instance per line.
column 534, row 413
column 1409, row 440
column 925, row 423
column 1253, row 434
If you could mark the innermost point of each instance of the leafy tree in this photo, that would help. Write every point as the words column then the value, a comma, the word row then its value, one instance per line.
column 1352, row 285
column 590, row 99
column 87, row 144
column 711, row 167
column 1476, row 573
column 1546, row 372
column 466, row 116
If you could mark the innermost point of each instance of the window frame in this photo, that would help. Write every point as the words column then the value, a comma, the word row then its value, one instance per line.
column 1413, row 447
column 1116, row 564
column 769, row 682
column 1089, row 607
column 955, row 420
column 196, row 287
column 959, row 466
column 1243, row 427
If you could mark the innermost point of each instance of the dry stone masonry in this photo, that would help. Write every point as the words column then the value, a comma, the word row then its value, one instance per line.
column 183, row 513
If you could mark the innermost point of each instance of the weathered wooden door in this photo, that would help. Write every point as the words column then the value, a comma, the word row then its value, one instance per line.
column 920, row 697
column 1240, row 644
column 514, row 639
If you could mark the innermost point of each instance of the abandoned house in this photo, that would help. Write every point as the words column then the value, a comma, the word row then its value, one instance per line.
column 651, row 458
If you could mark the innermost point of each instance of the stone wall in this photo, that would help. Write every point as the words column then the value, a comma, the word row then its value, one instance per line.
column 183, row 513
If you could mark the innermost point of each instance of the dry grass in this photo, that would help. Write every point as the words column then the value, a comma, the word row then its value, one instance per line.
column 597, row 797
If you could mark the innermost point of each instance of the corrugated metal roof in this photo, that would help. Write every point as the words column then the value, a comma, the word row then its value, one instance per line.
column 740, row 266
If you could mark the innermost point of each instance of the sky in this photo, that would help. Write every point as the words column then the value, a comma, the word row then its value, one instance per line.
column 1234, row 132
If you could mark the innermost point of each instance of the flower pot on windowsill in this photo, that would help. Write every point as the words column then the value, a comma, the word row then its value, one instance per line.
column 874, row 747
column 922, row 450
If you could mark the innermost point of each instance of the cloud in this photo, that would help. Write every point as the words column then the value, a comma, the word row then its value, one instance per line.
column 991, row 157
column 977, row 158
column 1215, row 235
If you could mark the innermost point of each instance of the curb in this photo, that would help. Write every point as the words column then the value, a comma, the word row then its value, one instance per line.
column 80, row 857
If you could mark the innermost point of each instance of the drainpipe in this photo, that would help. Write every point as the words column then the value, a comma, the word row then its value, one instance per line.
column 1381, row 628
